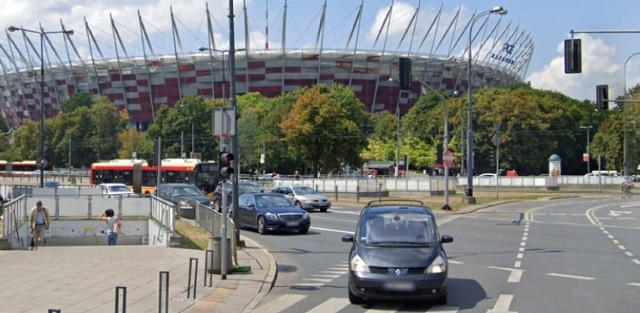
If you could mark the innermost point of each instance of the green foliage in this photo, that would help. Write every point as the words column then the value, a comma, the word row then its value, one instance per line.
column 77, row 100
column 326, row 128
column 175, row 126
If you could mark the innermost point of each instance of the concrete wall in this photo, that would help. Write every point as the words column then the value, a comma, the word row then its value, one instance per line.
column 85, row 233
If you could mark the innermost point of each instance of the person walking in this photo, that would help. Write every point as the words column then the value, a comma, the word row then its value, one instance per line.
column 113, row 226
column 39, row 221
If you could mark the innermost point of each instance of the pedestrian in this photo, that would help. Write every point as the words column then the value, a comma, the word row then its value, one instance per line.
column 113, row 226
column 39, row 221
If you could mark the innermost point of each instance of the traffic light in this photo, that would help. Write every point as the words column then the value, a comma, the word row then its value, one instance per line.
column 224, row 165
column 602, row 97
column 405, row 73
column 572, row 56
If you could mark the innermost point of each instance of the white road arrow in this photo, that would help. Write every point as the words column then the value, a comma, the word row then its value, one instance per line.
column 618, row 213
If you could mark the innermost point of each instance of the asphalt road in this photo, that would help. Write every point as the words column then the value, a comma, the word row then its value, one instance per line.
column 567, row 255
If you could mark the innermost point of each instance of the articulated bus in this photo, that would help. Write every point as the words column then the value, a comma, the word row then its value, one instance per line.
column 141, row 177
column 17, row 168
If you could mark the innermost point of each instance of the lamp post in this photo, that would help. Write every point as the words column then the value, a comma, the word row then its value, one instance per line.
column 624, row 107
column 469, row 189
column 42, row 33
column 588, row 128
column 446, row 139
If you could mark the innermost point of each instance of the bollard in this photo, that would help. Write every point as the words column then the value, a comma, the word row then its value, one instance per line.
column 335, row 190
column 124, row 298
column 195, row 277
column 208, row 267
column 166, row 292
column 357, row 194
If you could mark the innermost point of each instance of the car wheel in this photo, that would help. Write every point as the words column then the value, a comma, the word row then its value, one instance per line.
column 303, row 230
column 298, row 204
column 353, row 298
column 262, row 228
column 324, row 210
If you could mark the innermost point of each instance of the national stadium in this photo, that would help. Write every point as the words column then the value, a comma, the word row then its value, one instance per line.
column 436, row 41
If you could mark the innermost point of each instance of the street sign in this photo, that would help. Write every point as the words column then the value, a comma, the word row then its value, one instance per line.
column 448, row 158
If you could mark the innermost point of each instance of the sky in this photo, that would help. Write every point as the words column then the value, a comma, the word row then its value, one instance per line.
column 548, row 22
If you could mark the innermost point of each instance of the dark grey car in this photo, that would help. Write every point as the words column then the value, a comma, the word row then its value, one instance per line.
column 397, row 254
column 184, row 196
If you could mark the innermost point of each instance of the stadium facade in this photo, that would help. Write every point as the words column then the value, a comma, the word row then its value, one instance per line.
column 140, row 84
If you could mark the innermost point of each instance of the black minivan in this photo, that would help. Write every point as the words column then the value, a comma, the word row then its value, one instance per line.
column 397, row 254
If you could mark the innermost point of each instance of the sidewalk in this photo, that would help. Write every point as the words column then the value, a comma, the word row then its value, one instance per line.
column 84, row 279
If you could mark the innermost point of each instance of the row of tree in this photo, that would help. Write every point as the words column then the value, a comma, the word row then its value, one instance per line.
column 321, row 129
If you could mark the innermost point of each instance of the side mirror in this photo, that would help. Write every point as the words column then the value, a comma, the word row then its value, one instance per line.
column 446, row 239
column 347, row 238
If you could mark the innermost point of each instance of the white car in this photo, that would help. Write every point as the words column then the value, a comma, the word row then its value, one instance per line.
column 304, row 197
column 487, row 175
column 113, row 190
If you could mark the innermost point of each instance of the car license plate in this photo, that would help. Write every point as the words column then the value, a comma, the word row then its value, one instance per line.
column 292, row 224
column 399, row 285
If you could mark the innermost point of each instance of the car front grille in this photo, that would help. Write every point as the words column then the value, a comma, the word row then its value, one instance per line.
column 391, row 270
column 290, row 217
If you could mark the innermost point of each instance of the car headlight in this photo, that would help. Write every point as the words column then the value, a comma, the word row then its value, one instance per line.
column 306, row 216
column 184, row 203
column 271, row 216
column 357, row 265
column 437, row 266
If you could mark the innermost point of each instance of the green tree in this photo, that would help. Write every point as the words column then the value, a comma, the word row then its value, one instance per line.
column 326, row 128
column 76, row 100
column 175, row 126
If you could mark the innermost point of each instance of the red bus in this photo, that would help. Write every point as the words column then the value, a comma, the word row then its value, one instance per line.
column 141, row 177
column 17, row 168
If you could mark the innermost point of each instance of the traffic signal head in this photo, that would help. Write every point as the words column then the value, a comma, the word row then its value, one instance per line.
column 572, row 56
column 405, row 73
column 225, row 166
column 602, row 97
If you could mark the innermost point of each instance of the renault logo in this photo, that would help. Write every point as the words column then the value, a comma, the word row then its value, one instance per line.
column 398, row 272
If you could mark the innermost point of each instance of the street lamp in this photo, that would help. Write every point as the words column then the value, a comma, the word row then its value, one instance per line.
column 624, row 107
column 42, row 33
column 469, row 189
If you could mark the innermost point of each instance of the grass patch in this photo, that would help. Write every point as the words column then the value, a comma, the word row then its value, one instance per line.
column 192, row 236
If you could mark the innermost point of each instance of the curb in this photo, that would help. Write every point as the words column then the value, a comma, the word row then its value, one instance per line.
column 269, row 279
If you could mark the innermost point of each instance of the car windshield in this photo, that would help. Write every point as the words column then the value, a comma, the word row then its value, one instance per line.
column 304, row 191
column 272, row 201
column 120, row 189
column 398, row 227
column 249, row 188
column 187, row 191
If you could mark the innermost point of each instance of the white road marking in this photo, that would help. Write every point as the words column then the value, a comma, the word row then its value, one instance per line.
column 333, row 230
column 518, row 264
column 455, row 262
column 634, row 284
column 636, row 261
column 628, row 253
column 622, row 247
column 325, row 276
column 519, row 256
column 570, row 276
column 280, row 303
column 514, row 276
column 331, row 305
column 502, row 305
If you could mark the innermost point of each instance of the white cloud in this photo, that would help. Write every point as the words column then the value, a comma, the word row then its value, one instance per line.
column 598, row 67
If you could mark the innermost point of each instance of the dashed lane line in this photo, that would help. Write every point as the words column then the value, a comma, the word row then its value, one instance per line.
column 570, row 276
